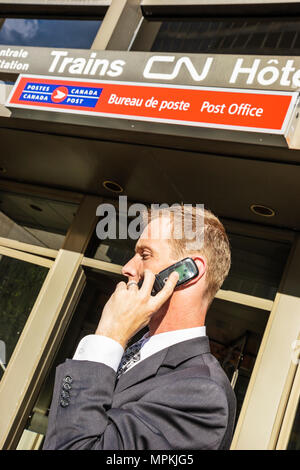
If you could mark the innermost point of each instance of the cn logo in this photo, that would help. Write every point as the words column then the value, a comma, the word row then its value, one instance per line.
column 59, row 94
column 183, row 61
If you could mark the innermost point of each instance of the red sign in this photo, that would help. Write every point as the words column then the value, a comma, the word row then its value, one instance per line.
column 248, row 110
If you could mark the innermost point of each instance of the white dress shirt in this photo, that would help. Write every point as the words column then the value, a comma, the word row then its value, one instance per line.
column 98, row 348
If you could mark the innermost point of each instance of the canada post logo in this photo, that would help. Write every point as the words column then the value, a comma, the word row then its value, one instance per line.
column 73, row 96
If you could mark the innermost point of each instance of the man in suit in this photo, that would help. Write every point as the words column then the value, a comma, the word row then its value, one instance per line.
column 176, row 396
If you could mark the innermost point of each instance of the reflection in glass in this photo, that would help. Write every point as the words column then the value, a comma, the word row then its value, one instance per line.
column 20, row 283
column 256, row 266
column 112, row 250
column 235, row 332
column 230, row 36
column 77, row 34
column 35, row 220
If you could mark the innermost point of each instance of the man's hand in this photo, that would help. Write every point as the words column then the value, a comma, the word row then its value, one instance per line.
column 130, row 309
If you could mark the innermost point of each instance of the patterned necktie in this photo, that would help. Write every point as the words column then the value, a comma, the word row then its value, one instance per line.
column 130, row 357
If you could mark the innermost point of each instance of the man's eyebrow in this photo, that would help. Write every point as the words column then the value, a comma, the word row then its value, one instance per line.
column 142, row 247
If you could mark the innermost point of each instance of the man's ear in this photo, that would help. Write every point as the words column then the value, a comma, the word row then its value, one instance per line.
column 201, row 265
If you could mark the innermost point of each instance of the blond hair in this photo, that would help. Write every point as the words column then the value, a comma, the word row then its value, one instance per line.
column 215, row 247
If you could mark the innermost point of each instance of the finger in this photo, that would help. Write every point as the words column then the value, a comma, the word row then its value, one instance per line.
column 121, row 286
column 148, row 282
column 167, row 290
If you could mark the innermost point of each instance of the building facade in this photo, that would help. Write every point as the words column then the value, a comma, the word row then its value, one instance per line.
column 201, row 108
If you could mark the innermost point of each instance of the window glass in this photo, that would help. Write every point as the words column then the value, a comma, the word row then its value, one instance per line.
column 256, row 266
column 20, row 283
column 35, row 220
column 230, row 36
column 112, row 250
column 235, row 332
column 77, row 34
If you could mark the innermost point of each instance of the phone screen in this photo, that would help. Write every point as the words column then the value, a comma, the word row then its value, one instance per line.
column 183, row 272
column 186, row 269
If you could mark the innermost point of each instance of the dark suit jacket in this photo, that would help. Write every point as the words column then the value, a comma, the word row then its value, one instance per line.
column 178, row 398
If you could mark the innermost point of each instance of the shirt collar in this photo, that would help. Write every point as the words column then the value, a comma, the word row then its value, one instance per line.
column 153, row 344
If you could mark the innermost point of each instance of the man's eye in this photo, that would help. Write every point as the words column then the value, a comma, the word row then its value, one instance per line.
column 145, row 256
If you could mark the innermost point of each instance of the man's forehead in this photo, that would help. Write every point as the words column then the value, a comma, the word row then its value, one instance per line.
column 159, row 228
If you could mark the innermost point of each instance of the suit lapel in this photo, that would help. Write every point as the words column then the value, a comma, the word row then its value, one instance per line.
column 146, row 368
column 171, row 356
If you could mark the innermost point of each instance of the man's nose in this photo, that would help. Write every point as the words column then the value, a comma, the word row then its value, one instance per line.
column 132, row 269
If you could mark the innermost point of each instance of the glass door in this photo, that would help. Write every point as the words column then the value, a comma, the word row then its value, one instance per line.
column 22, row 276
column 20, row 284
column 38, row 292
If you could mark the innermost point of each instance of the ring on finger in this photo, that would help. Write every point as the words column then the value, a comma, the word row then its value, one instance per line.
column 131, row 283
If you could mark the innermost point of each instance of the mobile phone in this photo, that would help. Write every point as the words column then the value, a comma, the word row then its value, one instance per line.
column 186, row 268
